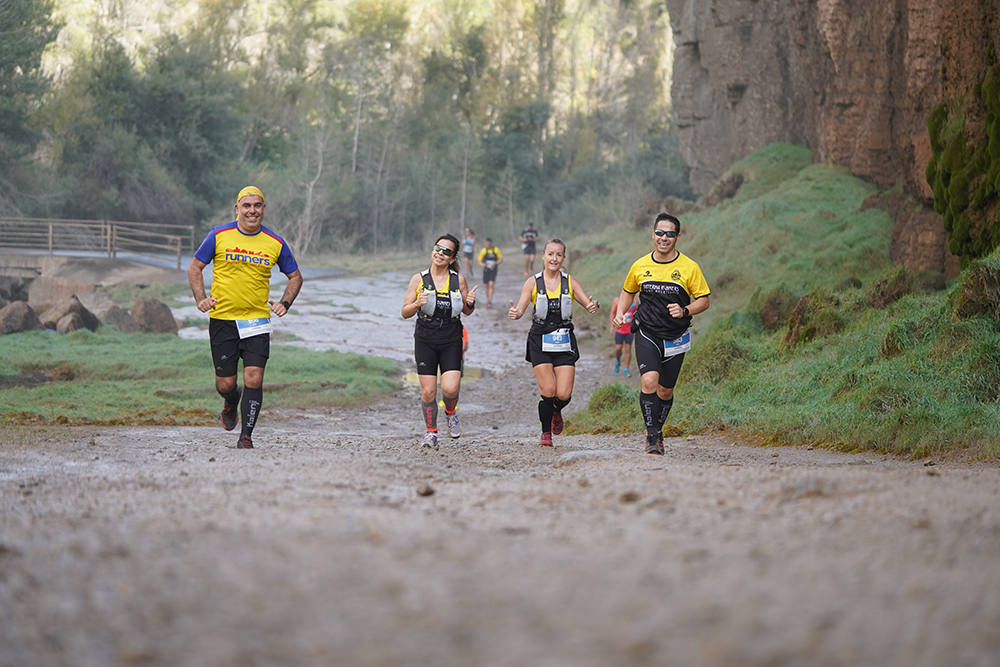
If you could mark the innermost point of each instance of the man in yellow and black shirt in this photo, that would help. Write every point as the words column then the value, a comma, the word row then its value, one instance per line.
column 671, row 289
column 242, row 253
column 490, row 258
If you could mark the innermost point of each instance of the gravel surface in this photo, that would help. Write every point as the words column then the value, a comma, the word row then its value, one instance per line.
column 340, row 541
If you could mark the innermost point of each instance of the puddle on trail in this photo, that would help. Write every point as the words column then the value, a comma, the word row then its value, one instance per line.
column 361, row 314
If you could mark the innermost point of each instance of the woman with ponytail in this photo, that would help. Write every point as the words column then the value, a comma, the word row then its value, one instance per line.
column 438, row 296
column 551, row 347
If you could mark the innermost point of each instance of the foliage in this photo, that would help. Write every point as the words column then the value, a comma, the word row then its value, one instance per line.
column 82, row 378
column 370, row 125
column 26, row 29
column 964, row 171
column 154, row 144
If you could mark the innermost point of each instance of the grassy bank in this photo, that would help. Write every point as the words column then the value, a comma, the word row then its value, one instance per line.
column 813, row 335
column 107, row 377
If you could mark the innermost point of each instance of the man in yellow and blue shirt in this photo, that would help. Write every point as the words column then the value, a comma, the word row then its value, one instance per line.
column 243, row 254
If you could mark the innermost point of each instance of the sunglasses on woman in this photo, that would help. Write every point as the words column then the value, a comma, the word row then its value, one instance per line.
column 669, row 233
column 447, row 252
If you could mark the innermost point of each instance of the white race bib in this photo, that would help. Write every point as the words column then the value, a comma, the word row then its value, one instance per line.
column 491, row 264
column 671, row 348
column 254, row 327
column 557, row 341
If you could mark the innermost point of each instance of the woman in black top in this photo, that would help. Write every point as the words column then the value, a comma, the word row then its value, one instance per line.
column 551, row 347
column 438, row 297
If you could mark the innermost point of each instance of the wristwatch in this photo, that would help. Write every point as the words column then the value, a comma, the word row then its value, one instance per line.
column 286, row 304
column 685, row 311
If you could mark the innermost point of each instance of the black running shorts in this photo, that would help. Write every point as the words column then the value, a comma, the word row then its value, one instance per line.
column 533, row 352
column 649, row 356
column 430, row 356
column 228, row 348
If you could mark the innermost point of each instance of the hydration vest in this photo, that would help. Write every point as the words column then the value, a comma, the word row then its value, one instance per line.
column 428, row 309
column 542, row 299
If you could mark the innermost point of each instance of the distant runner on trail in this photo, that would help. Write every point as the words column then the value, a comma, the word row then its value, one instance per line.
column 528, row 238
column 623, row 336
column 490, row 258
column 551, row 346
column 672, row 289
column 469, row 250
column 244, row 253
column 438, row 296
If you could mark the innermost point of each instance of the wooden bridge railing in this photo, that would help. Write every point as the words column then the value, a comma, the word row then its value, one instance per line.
column 108, row 237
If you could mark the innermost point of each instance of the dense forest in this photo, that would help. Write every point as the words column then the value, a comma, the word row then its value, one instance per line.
column 370, row 124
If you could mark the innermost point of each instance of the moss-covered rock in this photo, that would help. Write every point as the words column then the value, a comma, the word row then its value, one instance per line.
column 978, row 291
column 816, row 315
column 774, row 306
column 964, row 171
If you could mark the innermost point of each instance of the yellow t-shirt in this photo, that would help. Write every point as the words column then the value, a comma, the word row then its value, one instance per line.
column 659, row 284
column 241, row 269
column 488, row 255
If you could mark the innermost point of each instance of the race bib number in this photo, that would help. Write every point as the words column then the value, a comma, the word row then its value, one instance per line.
column 254, row 327
column 557, row 341
column 491, row 264
column 671, row 348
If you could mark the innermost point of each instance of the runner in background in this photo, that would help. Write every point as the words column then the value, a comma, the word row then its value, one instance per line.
column 623, row 336
column 528, row 238
column 243, row 254
column 672, row 289
column 438, row 296
column 469, row 250
column 490, row 258
column 551, row 346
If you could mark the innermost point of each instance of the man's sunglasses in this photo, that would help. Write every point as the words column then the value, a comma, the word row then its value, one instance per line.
column 447, row 252
column 669, row 233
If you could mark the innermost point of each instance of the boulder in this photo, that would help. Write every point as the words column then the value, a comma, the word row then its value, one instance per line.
column 96, row 302
column 154, row 316
column 12, row 289
column 108, row 313
column 51, row 317
column 45, row 292
column 18, row 316
column 71, row 321
column 119, row 318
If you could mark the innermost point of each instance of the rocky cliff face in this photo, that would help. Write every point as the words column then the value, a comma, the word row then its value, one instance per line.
column 852, row 79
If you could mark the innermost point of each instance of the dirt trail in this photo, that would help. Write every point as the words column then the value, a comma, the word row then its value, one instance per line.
column 339, row 541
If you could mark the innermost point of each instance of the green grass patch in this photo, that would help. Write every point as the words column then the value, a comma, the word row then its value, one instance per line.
column 814, row 336
column 108, row 377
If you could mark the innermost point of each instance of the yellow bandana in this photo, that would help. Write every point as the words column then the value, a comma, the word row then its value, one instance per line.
column 249, row 190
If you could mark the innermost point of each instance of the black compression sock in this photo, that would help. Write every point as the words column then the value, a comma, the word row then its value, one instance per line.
column 559, row 403
column 450, row 404
column 661, row 417
column 648, row 404
column 546, row 409
column 250, row 409
column 232, row 397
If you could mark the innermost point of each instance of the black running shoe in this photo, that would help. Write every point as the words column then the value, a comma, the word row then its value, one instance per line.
column 244, row 443
column 654, row 444
column 230, row 416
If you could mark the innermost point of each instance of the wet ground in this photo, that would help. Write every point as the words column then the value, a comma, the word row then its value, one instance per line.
column 340, row 541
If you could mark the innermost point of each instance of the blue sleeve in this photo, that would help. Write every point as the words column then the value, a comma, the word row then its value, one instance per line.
column 286, row 263
column 206, row 251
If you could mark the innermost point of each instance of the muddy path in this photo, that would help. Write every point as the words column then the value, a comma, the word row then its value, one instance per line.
column 339, row 541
